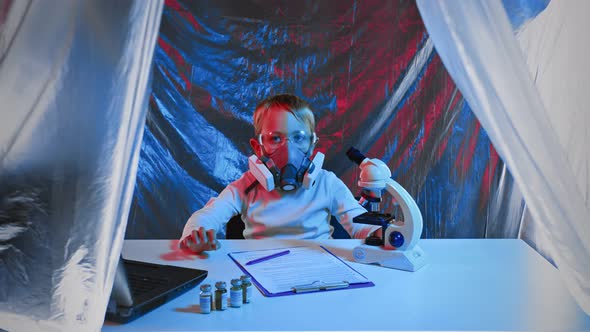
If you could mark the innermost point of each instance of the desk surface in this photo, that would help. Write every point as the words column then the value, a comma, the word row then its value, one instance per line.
column 467, row 284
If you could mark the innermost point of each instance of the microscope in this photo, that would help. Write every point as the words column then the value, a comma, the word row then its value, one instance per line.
column 397, row 247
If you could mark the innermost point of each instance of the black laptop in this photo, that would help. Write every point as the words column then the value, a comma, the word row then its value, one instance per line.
column 140, row 287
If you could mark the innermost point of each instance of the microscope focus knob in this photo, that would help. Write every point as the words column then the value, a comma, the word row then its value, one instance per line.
column 396, row 239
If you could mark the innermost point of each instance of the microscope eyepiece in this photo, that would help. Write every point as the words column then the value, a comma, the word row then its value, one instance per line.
column 355, row 155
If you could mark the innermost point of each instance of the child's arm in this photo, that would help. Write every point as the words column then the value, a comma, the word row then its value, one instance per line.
column 211, row 220
column 345, row 207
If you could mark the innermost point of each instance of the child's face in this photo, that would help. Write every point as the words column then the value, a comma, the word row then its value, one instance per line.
column 283, row 122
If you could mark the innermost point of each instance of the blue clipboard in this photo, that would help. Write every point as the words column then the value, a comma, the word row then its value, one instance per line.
column 305, row 287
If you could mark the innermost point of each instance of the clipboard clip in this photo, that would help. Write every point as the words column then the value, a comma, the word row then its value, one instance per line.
column 320, row 286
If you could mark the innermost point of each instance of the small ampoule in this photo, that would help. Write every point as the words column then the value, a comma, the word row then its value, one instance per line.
column 205, row 299
column 235, row 293
column 246, row 288
column 220, row 296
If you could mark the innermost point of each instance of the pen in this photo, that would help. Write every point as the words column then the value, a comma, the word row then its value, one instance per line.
column 318, row 286
column 265, row 258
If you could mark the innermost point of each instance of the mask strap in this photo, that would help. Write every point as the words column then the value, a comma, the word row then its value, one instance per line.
column 250, row 187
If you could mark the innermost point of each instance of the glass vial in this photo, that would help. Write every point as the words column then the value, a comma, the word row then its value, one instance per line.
column 220, row 296
column 235, row 293
column 246, row 288
column 206, row 299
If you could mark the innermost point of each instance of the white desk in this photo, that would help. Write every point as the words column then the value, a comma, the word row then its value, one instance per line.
column 466, row 285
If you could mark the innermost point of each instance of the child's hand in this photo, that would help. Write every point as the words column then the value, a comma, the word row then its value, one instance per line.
column 196, row 241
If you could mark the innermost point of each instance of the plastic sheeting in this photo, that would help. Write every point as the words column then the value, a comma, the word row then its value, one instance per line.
column 74, row 81
column 555, row 52
column 535, row 114
column 371, row 75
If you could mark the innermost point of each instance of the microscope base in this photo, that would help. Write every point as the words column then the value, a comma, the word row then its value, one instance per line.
column 407, row 260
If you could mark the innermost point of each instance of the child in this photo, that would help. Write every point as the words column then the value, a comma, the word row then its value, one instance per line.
column 284, row 143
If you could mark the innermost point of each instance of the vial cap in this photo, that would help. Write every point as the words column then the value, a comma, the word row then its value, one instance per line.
column 236, row 282
column 220, row 284
column 206, row 287
column 246, row 278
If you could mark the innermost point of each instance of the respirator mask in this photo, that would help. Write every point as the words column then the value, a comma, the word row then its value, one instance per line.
column 286, row 161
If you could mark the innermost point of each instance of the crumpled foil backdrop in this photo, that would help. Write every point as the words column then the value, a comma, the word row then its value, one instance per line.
column 373, row 78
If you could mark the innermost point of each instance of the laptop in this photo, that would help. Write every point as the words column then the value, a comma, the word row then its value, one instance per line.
column 140, row 287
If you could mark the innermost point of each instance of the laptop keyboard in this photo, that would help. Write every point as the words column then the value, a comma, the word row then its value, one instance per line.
column 141, row 285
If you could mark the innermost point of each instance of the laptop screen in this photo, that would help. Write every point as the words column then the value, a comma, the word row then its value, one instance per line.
column 140, row 287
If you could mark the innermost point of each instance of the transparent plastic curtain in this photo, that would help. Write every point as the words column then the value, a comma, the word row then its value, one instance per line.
column 74, row 87
column 555, row 46
column 543, row 144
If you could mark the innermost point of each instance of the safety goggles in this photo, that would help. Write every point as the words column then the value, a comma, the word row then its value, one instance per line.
column 274, row 140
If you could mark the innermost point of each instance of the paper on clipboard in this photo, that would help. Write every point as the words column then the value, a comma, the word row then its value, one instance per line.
column 301, row 268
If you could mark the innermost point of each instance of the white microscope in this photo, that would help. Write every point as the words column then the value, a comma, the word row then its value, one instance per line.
column 397, row 248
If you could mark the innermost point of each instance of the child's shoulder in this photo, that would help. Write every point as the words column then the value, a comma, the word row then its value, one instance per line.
column 327, row 177
column 326, row 174
column 243, row 181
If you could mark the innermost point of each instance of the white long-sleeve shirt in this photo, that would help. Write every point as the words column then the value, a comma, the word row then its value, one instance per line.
column 301, row 214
